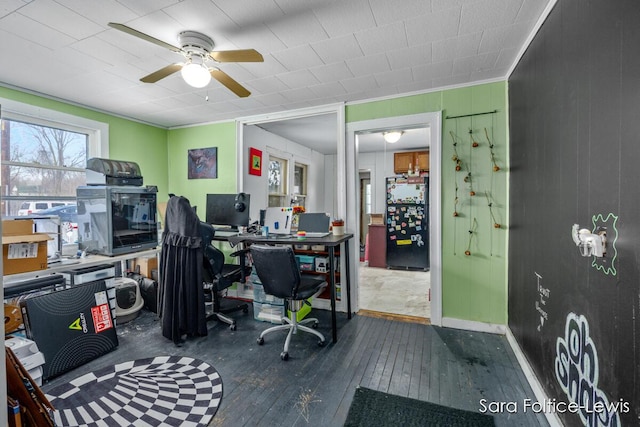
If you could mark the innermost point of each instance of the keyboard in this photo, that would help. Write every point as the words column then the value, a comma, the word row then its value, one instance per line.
column 317, row 234
column 226, row 233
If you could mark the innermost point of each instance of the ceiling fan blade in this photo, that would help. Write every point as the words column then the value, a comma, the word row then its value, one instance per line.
column 241, row 55
column 231, row 84
column 144, row 36
column 161, row 73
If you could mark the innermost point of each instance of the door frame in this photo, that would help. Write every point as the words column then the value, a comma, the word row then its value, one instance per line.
column 432, row 121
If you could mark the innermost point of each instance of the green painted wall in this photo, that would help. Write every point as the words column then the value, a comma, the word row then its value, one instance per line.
column 180, row 141
column 474, row 287
column 128, row 140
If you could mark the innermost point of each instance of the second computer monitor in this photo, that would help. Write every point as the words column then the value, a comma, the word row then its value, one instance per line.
column 230, row 210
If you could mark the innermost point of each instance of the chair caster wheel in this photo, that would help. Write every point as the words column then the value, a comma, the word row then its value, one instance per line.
column 232, row 327
column 284, row 355
column 260, row 341
column 320, row 343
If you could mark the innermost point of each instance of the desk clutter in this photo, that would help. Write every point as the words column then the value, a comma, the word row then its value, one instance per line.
column 268, row 308
column 22, row 249
column 70, row 326
column 62, row 321
column 28, row 354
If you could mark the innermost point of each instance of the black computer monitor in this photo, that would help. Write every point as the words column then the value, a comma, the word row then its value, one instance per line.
column 230, row 210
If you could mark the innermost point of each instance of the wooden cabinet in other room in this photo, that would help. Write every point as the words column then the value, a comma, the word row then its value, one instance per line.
column 403, row 160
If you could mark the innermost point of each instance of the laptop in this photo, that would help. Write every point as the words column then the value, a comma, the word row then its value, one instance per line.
column 278, row 219
column 314, row 224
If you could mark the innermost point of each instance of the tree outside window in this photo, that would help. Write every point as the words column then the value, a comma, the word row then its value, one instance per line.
column 40, row 162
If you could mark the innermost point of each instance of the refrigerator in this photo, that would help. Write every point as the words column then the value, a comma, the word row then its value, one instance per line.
column 407, row 221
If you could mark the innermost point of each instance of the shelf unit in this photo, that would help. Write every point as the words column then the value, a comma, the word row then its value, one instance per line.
column 323, row 253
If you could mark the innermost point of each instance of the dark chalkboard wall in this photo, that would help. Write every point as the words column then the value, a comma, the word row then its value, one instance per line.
column 574, row 106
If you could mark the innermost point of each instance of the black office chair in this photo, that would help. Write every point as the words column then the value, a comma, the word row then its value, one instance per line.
column 278, row 271
column 218, row 276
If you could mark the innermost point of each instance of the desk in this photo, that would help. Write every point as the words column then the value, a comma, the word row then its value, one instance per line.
column 89, row 261
column 331, row 242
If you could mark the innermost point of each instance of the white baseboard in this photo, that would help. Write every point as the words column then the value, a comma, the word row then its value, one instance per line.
column 449, row 322
column 541, row 396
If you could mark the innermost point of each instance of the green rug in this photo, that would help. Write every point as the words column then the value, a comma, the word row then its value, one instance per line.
column 375, row 408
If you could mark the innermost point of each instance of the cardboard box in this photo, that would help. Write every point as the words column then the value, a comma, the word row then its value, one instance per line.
column 145, row 265
column 376, row 219
column 22, row 249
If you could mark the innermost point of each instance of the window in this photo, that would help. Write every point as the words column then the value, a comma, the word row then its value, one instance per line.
column 44, row 155
column 299, row 184
column 277, row 179
column 40, row 162
column 367, row 198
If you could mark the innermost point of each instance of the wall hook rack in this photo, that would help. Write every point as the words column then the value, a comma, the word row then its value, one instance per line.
column 590, row 243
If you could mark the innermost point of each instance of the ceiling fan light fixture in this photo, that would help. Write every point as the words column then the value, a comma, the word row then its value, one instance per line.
column 392, row 136
column 195, row 73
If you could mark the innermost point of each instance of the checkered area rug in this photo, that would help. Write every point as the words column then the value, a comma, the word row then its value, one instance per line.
column 160, row 391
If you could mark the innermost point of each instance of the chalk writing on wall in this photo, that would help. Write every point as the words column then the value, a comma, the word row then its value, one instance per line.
column 607, row 264
column 541, row 302
column 577, row 370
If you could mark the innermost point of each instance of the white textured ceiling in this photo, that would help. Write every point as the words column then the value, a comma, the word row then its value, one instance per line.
column 316, row 52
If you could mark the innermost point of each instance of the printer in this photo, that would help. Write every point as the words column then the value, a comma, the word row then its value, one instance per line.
column 113, row 172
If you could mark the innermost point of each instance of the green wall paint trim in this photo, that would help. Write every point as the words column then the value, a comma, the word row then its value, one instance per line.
column 128, row 140
column 473, row 287
column 180, row 141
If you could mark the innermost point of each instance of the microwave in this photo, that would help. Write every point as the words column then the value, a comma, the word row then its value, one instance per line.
column 114, row 220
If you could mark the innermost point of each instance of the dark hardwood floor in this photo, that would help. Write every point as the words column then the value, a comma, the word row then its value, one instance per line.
column 315, row 386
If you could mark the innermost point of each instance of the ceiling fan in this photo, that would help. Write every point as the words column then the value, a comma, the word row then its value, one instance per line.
column 197, row 50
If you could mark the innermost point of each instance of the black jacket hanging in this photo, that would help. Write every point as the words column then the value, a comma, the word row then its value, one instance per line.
column 181, row 291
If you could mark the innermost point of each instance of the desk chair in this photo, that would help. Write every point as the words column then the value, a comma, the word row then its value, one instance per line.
column 218, row 276
column 278, row 271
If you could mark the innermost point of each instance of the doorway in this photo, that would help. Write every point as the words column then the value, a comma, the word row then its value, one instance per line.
column 431, row 122
column 397, row 291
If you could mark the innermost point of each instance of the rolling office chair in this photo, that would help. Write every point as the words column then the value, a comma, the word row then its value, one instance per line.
column 218, row 276
column 279, row 273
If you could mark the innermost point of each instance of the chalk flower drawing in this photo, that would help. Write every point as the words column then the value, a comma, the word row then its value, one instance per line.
column 610, row 223
column 577, row 370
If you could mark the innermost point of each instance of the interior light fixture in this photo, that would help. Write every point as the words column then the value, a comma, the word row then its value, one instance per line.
column 392, row 136
column 196, row 73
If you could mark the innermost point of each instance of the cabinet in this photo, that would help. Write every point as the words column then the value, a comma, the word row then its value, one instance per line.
column 323, row 254
column 377, row 245
column 402, row 161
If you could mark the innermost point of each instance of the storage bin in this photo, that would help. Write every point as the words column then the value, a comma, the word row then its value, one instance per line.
column 301, row 247
column 268, row 312
column 320, row 248
column 253, row 277
column 306, row 262
column 260, row 296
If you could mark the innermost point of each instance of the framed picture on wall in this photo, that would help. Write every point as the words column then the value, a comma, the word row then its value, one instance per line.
column 202, row 163
column 255, row 161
